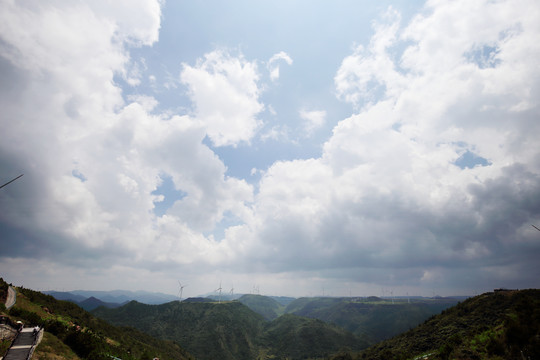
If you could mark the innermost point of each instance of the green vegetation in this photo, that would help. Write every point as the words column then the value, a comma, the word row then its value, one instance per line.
column 82, row 335
column 296, row 337
column 373, row 319
column 208, row 330
column 500, row 325
column 4, row 345
column 263, row 305
column 52, row 348
column 230, row 330
column 3, row 291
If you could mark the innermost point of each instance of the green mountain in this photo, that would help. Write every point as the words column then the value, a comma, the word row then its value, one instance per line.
column 231, row 330
column 208, row 330
column 263, row 305
column 372, row 319
column 73, row 333
column 296, row 337
column 498, row 325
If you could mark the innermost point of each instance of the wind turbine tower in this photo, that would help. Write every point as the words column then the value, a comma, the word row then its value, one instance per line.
column 219, row 289
column 181, row 290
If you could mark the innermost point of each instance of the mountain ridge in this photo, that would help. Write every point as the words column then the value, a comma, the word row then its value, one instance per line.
column 113, row 296
column 231, row 330
column 73, row 333
column 496, row 325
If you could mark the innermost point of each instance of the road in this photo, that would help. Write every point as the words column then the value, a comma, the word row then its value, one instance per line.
column 11, row 298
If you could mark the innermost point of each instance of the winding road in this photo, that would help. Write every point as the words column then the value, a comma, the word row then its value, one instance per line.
column 11, row 298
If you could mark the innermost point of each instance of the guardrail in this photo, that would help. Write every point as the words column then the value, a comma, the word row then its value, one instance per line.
column 37, row 340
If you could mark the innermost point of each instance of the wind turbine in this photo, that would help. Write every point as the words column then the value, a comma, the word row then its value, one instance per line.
column 232, row 291
column 219, row 289
column 181, row 290
column 531, row 224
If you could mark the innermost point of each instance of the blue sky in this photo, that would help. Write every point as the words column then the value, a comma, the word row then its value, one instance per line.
column 294, row 146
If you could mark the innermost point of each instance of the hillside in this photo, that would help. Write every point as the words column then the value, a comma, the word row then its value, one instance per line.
column 499, row 325
column 72, row 333
column 230, row 330
column 263, row 305
column 373, row 319
column 296, row 337
column 207, row 330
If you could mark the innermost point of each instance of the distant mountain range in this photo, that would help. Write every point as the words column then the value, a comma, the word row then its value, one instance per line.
column 89, row 300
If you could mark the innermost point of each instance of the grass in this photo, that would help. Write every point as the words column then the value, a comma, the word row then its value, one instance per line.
column 51, row 348
column 4, row 345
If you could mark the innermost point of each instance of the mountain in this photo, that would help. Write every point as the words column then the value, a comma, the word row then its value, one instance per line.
column 296, row 337
column 124, row 296
column 283, row 300
column 73, row 333
column 231, row 330
column 113, row 296
column 208, row 330
column 263, row 305
column 496, row 325
column 67, row 296
column 373, row 319
column 91, row 303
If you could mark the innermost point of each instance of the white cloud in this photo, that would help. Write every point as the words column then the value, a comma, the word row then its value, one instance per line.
column 386, row 194
column 273, row 66
column 225, row 93
column 277, row 133
column 370, row 73
column 313, row 119
column 65, row 119
column 384, row 203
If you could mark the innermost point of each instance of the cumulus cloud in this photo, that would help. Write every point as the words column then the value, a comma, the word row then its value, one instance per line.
column 386, row 193
column 91, row 158
column 313, row 119
column 273, row 65
column 387, row 202
column 225, row 93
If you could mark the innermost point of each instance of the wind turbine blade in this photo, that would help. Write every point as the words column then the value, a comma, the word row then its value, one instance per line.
column 9, row 182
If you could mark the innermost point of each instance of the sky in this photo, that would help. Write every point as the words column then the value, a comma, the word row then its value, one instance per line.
column 301, row 148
